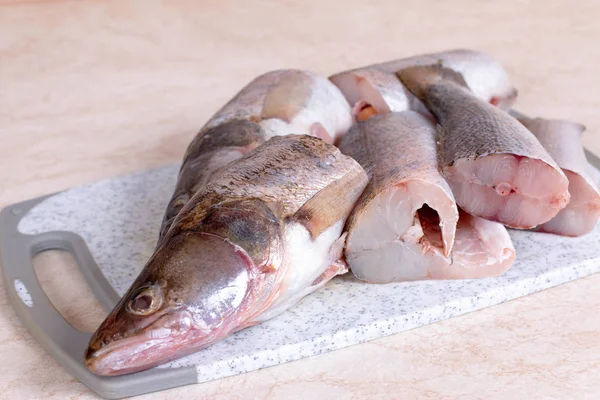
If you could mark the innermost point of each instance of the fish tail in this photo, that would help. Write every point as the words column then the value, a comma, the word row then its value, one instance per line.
column 419, row 78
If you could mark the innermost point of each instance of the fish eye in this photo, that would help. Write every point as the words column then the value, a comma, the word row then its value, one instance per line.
column 146, row 301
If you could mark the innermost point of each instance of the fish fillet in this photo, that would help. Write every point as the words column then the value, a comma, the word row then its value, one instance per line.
column 497, row 169
column 404, row 226
column 562, row 140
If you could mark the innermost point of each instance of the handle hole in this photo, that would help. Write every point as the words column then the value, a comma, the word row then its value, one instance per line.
column 67, row 290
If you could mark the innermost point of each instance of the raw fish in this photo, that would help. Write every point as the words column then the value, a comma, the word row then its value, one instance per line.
column 404, row 226
column 262, row 233
column 375, row 89
column 562, row 140
column 497, row 169
column 274, row 104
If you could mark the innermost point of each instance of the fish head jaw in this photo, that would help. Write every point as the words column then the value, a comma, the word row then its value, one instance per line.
column 196, row 289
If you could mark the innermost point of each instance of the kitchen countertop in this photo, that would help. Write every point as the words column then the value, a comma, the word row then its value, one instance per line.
column 94, row 89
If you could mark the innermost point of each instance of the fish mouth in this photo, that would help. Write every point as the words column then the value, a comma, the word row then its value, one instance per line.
column 166, row 339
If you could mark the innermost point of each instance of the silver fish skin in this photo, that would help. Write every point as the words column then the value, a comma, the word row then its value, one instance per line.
column 562, row 140
column 406, row 225
column 375, row 89
column 263, row 232
column 497, row 169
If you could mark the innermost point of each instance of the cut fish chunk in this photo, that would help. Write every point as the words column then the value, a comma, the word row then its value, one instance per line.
column 562, row 140
column 482, row 249
column 404, row 226
column 375, row 88
column 496, row 168
column 376, row 92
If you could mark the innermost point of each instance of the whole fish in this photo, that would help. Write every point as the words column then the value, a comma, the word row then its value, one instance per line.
column 276, row 103
column 404, row 226
column 262, row 233
column 562, row 140
column 375, row 89
column 496, row 168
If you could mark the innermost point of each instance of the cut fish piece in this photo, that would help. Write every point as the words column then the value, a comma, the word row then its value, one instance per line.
column 482, row 249
column 496, row 168
column 406, row 218
column 372, row 91
column 404, row 226
column 483, row 75
column 398, row 151
column 562, row 140
column 375, row 89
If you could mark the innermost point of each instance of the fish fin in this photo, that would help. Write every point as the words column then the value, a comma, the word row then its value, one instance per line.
column 336, row 251
column 337, row 263
column 332, row 203
column 338, row 267
column 174, row 207
column 318, row 130
column 418, row 78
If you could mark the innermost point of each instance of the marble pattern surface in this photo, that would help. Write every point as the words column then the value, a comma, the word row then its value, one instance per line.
column 98, row 88
column 119, row 220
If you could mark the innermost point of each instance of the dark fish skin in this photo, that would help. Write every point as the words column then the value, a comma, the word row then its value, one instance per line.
column 472, row 128
column 235, row 137
column 276, row 103
column 230, row 258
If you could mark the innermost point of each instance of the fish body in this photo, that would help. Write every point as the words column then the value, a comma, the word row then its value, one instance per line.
column 497, row 169
column 404, row 226
column 375, row 89
column 274, row 104
column 290, row 101
column 263, row 232
column 562, row 140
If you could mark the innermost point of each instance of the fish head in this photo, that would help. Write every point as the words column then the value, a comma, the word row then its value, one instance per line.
column 198, row 287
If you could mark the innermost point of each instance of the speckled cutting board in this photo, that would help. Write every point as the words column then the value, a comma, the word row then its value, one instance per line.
column 119, row 220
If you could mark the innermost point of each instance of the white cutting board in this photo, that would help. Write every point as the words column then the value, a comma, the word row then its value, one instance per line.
column 119, row 220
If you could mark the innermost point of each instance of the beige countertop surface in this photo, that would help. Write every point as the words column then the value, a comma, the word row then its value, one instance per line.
column 94, row 89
